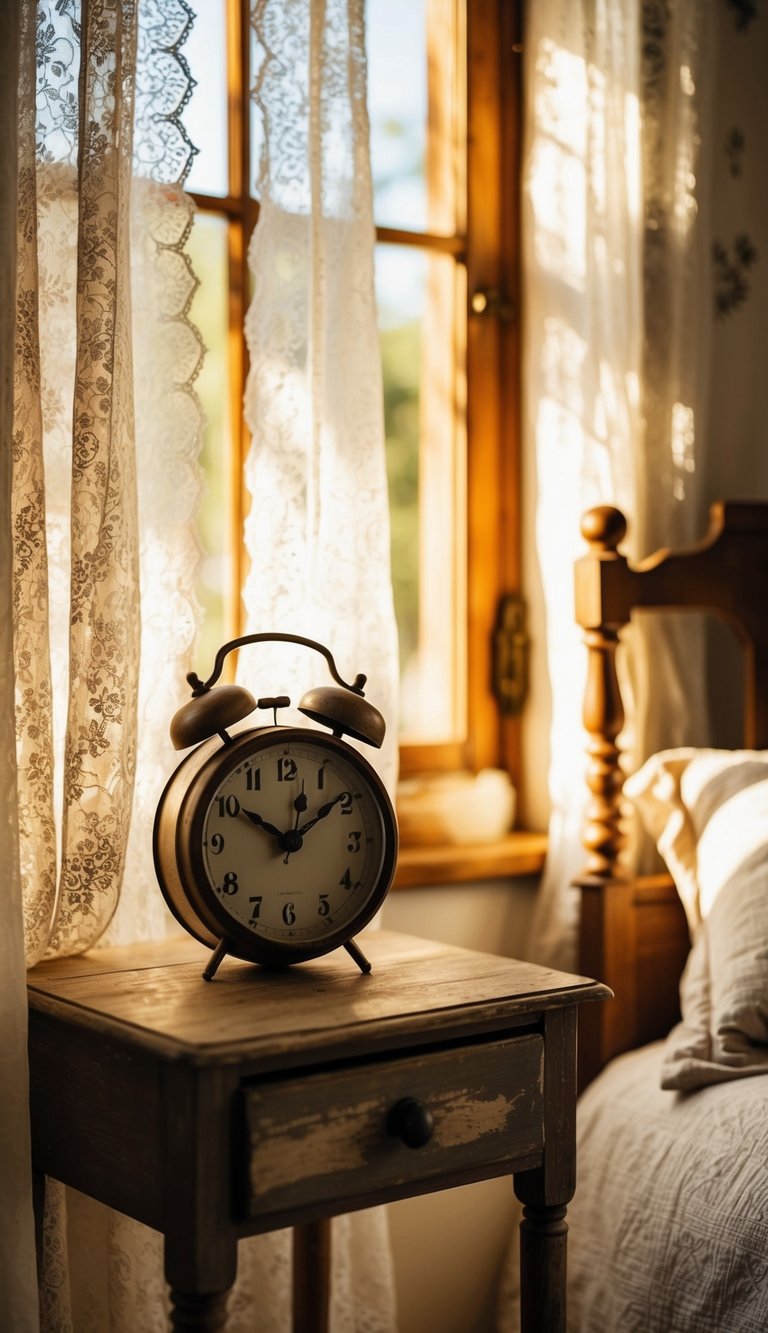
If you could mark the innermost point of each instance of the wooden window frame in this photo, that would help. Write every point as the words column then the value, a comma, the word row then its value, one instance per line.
column 489, row 248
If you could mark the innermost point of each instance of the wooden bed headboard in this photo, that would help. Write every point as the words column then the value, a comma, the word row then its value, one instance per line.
column 633, row 934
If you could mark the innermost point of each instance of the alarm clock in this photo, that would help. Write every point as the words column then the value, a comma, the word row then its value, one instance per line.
column 278, row 843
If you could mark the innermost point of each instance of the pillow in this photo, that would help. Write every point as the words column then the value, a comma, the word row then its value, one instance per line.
column 708, row 811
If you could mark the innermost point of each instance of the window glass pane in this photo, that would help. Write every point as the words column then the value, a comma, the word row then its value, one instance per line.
column 397, row 106
column 208, row 249
column 413, row 103
column 417, row 294
column 205, row 117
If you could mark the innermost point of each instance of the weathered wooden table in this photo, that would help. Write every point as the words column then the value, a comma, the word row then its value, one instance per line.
column 273, row 1099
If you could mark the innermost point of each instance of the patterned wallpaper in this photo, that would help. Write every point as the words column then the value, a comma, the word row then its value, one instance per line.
column 733, row 259
column 738, row 462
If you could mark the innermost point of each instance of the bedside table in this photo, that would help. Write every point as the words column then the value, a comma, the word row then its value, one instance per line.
column 271, row 1099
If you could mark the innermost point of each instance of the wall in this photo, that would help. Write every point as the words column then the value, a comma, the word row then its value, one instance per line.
column 736, row 463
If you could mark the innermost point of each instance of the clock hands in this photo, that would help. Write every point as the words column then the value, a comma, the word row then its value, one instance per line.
column 292, row 839
column 322, row 813
column 262, row 823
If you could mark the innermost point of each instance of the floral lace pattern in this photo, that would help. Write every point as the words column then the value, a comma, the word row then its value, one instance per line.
column 105, row 485
column 104, row 449
column 105, row 492
column 318, row 530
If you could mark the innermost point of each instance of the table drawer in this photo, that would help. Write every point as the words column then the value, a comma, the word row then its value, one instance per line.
column 324, row 1137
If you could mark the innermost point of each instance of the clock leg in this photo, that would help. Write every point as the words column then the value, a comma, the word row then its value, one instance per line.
column 218, row 955
column 355, row 952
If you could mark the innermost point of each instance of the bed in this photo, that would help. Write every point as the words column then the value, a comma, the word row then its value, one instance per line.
column 669, row 1225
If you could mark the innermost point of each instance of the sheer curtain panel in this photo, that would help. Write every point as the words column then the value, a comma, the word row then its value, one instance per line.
column 98, row 548
column 617, row 337
column 98, row 551
column 18, row 1279
column 317, row 534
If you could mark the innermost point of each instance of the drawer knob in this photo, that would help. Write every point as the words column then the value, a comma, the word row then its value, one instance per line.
column 410, row 1121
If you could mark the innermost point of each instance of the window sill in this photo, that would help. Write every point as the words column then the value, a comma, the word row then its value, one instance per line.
column 519, row 853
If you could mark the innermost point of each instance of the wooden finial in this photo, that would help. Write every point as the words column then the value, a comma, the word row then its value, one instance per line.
column 604, row 527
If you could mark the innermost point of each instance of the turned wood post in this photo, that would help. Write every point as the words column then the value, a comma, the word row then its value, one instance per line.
column 606, row 929
column 312, row 1276
column 198, row 1313
column 603, row 529
column 543, row 1240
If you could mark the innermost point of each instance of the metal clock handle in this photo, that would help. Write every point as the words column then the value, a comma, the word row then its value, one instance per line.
column 201, row 687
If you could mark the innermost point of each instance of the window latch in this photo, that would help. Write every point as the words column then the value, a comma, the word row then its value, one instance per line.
column 510, row 655
column 490, row 301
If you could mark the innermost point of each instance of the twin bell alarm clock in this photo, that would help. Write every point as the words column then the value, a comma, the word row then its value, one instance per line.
column 275, row 844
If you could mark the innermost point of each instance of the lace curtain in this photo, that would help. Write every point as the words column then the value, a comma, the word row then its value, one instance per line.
column 317, row 534
column 101, row 431
column 616, row 264
column 97, row 547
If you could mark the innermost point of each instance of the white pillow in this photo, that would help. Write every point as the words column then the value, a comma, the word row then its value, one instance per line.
column 708, row 811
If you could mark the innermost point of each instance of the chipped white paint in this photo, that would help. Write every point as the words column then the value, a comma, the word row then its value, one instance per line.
column 468, row 1117
column 311, row 1146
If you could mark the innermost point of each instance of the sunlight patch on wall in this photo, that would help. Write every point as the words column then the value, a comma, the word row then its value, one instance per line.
column 683, row 441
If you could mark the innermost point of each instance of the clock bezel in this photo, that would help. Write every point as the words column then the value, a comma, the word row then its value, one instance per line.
column 194, row 881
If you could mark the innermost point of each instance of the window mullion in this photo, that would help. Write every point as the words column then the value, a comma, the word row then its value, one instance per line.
column 238, row 119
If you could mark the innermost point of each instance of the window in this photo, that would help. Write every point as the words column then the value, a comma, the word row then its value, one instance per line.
column 444, row 86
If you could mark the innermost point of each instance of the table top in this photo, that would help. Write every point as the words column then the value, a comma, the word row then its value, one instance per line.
column 152, row 995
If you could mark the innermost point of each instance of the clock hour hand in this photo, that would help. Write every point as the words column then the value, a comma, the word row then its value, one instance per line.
column 322, row 813
column 262, row 823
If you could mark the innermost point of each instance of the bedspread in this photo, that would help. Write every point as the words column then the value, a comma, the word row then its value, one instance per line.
column 669, row 1225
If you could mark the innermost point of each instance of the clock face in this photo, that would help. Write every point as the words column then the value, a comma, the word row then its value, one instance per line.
column 296, row 841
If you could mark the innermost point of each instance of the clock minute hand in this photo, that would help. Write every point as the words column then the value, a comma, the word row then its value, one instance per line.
column 322, row 813
column 262, row 823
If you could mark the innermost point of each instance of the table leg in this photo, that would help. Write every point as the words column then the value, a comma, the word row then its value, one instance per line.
column 311, row 1276
column 38, row 1204
column 205, row 1313
column 200, row 1278
column 543, row 1233
column 546, row 1190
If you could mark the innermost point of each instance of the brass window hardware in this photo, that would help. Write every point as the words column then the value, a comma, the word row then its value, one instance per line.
column 510, row 655
column 490, row 301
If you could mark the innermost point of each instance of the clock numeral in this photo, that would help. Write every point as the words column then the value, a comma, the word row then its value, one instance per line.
column 253, row 779
column 346, row 879
column 321, row 777
column 217, row 844
column 230, row 885
column 289, row 914
column 325, row 906
column 255, row 909
column 346, row 803
column 353, row 845
column 228, row 805
column 286, row 770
